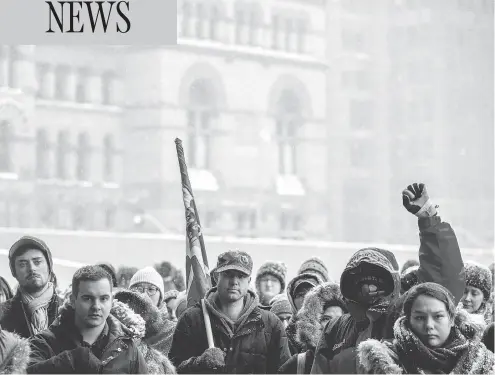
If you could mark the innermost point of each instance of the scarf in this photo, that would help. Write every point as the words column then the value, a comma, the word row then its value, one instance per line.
column 413, row 352
column 37, row 308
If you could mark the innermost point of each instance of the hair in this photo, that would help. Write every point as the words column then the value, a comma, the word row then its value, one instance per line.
column 111, row 270
column 433, row 290
column 89, row 273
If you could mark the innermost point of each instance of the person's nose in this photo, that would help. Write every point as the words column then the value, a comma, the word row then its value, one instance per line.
column 430, row 324
column 468, row 297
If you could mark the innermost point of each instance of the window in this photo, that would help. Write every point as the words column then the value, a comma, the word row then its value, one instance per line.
column 287, row 121
column 12, row 58
column 246, row 221
column 108, row 158
column 83, row 155
column 78, row 217
column 186, row 19
column 108, row 79
column 290, row 222
column 360, row 114
column 110, row 214
column 200, row 115
column 47, row 215
column 61, row 82
column 301, row 29
column 42, row 152
column 240, row 30
column 200, row 18
column 214, row 22
column 5, row 146
column 62, row 154
column 82, row 81
column 352, row 40
column 42, row 71
column 361, row 153
column 276, row 31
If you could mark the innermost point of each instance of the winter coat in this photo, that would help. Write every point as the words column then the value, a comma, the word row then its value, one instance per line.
column 51, row 349
column 13, row 317
column 385, row 357
column 440, row 262
column 309, row 327
column 257, row 344
column 296, row 346
column 14, row 353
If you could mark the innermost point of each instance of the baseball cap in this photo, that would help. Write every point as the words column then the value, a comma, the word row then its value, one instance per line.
column 234, row 260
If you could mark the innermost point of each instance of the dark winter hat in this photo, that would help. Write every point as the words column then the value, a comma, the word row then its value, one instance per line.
column 277, row 269
column 29, row 242
column 111, row 270
column 234, row 260
column 408, row 264
column 314, row 265
column 480, row 277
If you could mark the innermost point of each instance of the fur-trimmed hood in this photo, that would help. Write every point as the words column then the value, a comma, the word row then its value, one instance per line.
column 14, row 353
column 308, row 324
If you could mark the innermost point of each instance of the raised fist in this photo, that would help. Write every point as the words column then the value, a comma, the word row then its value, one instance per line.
column 416, row 200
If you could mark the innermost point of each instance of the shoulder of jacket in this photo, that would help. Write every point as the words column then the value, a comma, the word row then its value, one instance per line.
column 377, row 357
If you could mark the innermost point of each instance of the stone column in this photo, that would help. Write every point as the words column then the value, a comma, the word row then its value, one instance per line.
column 94, row 87
column 24, row 69
column 4, row 65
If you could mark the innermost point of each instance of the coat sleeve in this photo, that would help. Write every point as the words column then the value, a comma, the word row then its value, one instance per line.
column 44, row 361
column 279, row 348
column 183, row 351
column 323, row 350
column 440, row 259
column 141, row 366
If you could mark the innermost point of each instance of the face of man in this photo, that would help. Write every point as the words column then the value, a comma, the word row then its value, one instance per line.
column 93, row 303
column 270, row 286
column 232, row 285
column 31, row 270
column 300, row 293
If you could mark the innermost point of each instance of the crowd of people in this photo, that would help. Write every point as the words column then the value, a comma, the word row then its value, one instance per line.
column 435, row 314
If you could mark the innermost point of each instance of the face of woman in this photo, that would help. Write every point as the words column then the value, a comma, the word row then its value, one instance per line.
column 430, row 321
column 472, row 299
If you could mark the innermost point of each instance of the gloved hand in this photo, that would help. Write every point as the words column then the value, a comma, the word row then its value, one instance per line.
column 416, row 200
column 84, row 361
column 211, row 359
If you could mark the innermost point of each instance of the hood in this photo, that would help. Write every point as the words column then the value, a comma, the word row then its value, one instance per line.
column 382, row 260
column 6, row 288
column 294, row 282
column 14, row 353
column 308, row 324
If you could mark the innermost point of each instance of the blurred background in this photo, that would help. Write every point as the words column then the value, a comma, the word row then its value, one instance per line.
column 302, row 122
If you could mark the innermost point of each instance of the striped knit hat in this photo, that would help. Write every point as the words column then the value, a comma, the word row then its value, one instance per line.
column 277, row 269
column 314, row 266
column 280, row 305
column 151, row 276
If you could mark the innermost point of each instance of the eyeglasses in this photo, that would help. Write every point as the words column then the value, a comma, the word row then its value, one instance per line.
column 151, row 291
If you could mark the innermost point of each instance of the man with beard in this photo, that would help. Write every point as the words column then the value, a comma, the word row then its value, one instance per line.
column 85, row 338
column 370, row 285
column 35, row 305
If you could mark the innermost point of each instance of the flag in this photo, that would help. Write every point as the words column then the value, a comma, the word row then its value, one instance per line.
column 197, row 273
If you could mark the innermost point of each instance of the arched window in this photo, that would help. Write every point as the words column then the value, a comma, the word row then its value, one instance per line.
column 288, row 120
column 62, row 154
column 83, row 155
column 5, row 146
column 108, row 158
column 42, row 152
column 200, row 115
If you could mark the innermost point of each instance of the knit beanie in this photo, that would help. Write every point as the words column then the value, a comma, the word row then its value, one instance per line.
column 316, row 266
column 277, row 269
column 280, row 305
column 148, row 275
column 29, row 242
column 480, row 277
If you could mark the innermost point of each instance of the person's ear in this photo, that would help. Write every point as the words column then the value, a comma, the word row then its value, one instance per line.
column 72, row 299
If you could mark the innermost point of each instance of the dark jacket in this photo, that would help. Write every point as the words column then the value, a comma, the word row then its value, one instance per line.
column 257, row 345
column 13, row 317
column 290, row 367
column 52, row 351
column 440, row 261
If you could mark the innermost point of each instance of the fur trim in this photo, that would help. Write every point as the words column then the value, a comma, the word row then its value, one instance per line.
column 156, row 362
column 309, row 317
column 15, row 351
column 471, row 327
column 375, row 357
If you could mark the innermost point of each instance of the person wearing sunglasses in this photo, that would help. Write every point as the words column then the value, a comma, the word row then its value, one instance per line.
column 148, row 281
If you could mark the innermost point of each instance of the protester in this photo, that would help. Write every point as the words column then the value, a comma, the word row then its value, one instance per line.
column 314, row 266
column 34, row 307
column 270, row 281
column 297, row 289
column 476, row 299
column 281, row 307
column 247, row 339
column 85, row 338
column 322, row 304
column 488, row 337
column 5, row 291
column 370, row 285
column 157, row 338
column 170, row 299
column 148, row 280
column 427, row 339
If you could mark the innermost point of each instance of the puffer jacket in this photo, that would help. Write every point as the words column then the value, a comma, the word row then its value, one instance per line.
column 14, row 353
column 256, row 343
column 309, row 326
column 50, row 350
column 296, row 346
column 440, row 262
column 13, row 317
column 383, row 357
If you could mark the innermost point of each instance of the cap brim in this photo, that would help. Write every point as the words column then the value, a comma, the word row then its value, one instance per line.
column 232, row 267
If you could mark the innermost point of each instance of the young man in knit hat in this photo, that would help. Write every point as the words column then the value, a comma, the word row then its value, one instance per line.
column 147, row 280
column 315, row 265
column 35, row 305
column 247, row 339
column 270, row 281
